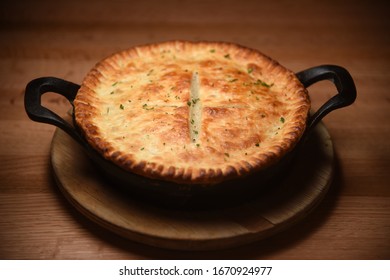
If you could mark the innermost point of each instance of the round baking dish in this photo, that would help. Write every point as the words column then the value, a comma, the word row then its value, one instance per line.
column 181, row 194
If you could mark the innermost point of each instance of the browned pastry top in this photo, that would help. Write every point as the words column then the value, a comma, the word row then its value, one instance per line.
column 191, row 112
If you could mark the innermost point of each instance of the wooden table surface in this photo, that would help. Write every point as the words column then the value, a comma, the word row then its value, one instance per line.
column 66, row 38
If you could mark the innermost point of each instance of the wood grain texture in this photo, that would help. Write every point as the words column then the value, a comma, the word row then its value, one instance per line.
column 66, row 38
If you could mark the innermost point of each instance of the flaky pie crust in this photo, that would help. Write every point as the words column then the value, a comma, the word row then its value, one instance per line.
column 191, row 112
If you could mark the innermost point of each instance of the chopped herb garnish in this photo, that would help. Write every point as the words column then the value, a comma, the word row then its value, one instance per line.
column 195, row 100
column 114, row 84
column 145, row 106
column 112, row 92
column 198, row 145
column 192, row 121
column 212, row 51
column 227, row 56
column 129, row 100
column 233, row 80
column 260, row 82
column 150, row 72
column 282, row 120
column 121, row 107
column 189, row 103
column 257, row 144
column 142, row 149
column 108, row 110
column 250, row 70
column 227, row 154
column 196, row 132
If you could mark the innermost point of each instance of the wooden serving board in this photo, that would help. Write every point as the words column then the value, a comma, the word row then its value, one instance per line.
column 291, row 200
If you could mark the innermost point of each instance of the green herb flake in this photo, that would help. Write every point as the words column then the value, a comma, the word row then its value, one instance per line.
column 196, row 132
column 121, row 107
column 146, row 107
column 142, row 149
column 150, row 72
column 114, row 84
column 257, row 144
column 212, row 51
column 233, row 80
column 189, row 103
column 250, row 70
column 227, row 56
column 198, row 145
column 112, row 92
column 227, row 154
column 264, row 84
column 282, row 120
column 194, row 101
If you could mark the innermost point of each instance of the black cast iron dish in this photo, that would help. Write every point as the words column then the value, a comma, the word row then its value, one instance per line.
column 173, row 194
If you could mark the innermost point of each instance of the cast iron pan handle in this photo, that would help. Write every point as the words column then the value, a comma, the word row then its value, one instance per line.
column 32, row 102
column 36, row 88
column 343, row 81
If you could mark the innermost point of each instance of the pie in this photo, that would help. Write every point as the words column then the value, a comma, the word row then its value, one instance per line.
column 191, row 112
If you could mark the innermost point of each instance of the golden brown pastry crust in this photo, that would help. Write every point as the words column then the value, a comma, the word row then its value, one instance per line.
column 191, row 112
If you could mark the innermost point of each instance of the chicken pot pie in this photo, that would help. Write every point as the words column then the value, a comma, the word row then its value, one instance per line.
column 191, row 112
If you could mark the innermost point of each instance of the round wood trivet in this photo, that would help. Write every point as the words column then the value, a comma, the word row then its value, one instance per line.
column 291, row 200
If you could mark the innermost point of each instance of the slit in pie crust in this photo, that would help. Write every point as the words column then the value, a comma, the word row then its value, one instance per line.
column 191, row 112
